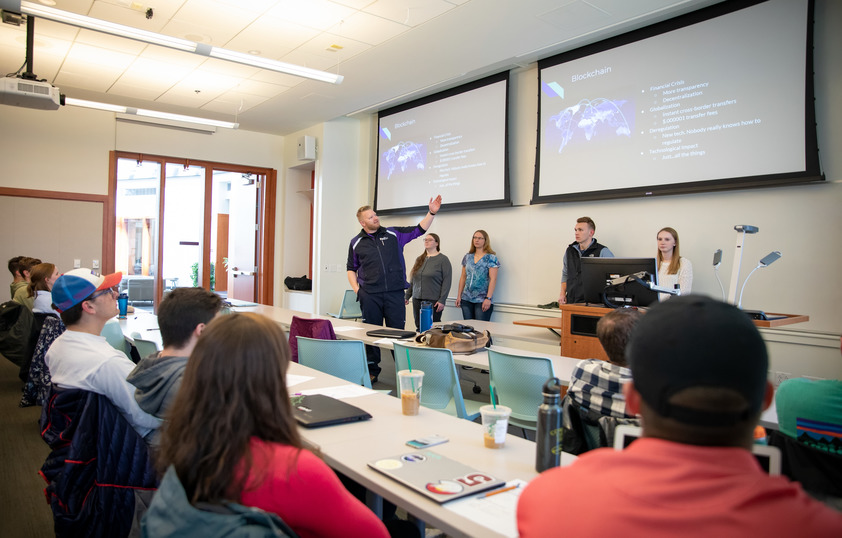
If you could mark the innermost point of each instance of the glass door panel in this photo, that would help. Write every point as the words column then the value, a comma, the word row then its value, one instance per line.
column 234, row 233
column 184, row 203
column 136, row 238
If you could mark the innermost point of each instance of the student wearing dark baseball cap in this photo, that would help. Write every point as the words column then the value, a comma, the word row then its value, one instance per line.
column 699, row 370
column 81, row 358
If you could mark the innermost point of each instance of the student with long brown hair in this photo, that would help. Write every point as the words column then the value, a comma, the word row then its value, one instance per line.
column 39, row 289
column 429, row 279
column 231, row 437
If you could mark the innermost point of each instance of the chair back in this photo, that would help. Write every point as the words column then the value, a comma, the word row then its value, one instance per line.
column 517, row 382
column 310, row 328
column 113, row 334
column 440, row 389
column 144, row 348
column 819, row 471
column 340, row 358
column 38, row 381
column 350, row 307
column 581, row 431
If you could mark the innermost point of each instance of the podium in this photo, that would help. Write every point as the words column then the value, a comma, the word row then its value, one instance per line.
column 578, row 331
column 577, row 327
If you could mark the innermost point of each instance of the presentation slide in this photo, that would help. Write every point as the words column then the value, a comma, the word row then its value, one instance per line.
column 719, row 99
column 454, row 145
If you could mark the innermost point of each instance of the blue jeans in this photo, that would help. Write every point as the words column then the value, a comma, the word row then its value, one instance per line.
column 474, row 311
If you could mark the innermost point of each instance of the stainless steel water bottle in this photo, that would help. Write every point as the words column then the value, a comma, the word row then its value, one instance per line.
column 548, row 436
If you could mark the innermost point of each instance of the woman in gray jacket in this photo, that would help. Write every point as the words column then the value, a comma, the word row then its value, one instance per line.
column 429, row 279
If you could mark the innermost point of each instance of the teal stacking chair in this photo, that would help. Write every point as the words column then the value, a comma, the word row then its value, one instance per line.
column 113, row 334
column 440, row 389
column 350, row 307
column 144, row 347
column 517, row 382
column 340, row 358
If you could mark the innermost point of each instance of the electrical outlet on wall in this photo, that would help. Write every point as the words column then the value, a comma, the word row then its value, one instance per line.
column 77, row 263
column 781, row 377
column 95, row 264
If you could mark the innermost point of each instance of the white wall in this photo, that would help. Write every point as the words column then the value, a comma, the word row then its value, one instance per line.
column 803, row 222
column 68, row 150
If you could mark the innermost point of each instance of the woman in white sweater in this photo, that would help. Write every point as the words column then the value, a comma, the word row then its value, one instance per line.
column 672, row 267
column 41, row 281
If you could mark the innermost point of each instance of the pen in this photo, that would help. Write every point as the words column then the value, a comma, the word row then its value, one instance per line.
column 496, row 491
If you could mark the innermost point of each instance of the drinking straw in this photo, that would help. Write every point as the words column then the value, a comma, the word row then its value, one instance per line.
column 492, row 396
column 409, row 362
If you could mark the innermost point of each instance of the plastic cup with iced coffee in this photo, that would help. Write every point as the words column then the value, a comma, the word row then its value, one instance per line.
column 495, row 423
column 410, row 388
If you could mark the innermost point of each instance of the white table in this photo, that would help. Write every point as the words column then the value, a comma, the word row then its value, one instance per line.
column 349, row 447
column 147, row 325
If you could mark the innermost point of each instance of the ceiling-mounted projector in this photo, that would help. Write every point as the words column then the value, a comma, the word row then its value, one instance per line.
column 17, row 91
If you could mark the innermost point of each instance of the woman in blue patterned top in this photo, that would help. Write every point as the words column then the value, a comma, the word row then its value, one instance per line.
column 479, row 277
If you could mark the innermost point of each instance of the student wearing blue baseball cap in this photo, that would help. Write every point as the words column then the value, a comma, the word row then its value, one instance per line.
column 82, row 359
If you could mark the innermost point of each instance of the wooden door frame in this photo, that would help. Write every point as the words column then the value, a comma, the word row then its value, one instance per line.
column 266, row 208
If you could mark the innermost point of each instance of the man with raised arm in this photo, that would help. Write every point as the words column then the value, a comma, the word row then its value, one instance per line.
column 377, row 271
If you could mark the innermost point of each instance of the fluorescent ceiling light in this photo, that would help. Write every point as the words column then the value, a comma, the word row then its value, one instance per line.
column 148, row 113
column 82, row 21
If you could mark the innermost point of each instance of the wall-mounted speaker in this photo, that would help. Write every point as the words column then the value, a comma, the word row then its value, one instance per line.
column 306, row 148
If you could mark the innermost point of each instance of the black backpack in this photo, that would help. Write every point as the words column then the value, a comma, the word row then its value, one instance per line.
column 17, row 335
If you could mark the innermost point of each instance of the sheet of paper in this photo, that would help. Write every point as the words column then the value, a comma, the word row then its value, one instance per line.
column 344, row 328
column 340, row 392
column 293, row 379
column 496, row 509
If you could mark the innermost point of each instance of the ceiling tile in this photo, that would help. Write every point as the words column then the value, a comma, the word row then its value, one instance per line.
column 319, row 14
column 272, row 37
column 103, row 58
column 110, row 42
column 208, row 21
column 146, row 73
column 234, row 103
column 315, row 52
column 368, row 28
column 260, row 89
column 409, row 12
column 133, row 91
column 281, row 79
column 86, row 77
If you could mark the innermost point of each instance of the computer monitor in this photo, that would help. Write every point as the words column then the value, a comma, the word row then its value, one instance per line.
column 597, row 271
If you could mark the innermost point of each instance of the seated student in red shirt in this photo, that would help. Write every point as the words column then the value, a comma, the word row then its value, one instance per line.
column 231, row 436
column 699, row 383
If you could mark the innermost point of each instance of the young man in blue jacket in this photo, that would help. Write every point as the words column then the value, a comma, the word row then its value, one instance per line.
column 377, row 272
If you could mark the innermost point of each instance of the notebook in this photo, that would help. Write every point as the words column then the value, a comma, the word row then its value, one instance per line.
column 435, row 476
column 316, row 410
column 769, row 457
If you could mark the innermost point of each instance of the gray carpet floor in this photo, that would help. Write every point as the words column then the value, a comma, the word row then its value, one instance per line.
column 24, row 512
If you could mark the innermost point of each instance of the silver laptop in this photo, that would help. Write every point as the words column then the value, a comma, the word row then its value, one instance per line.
column 435, row 476
column 769, row 457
